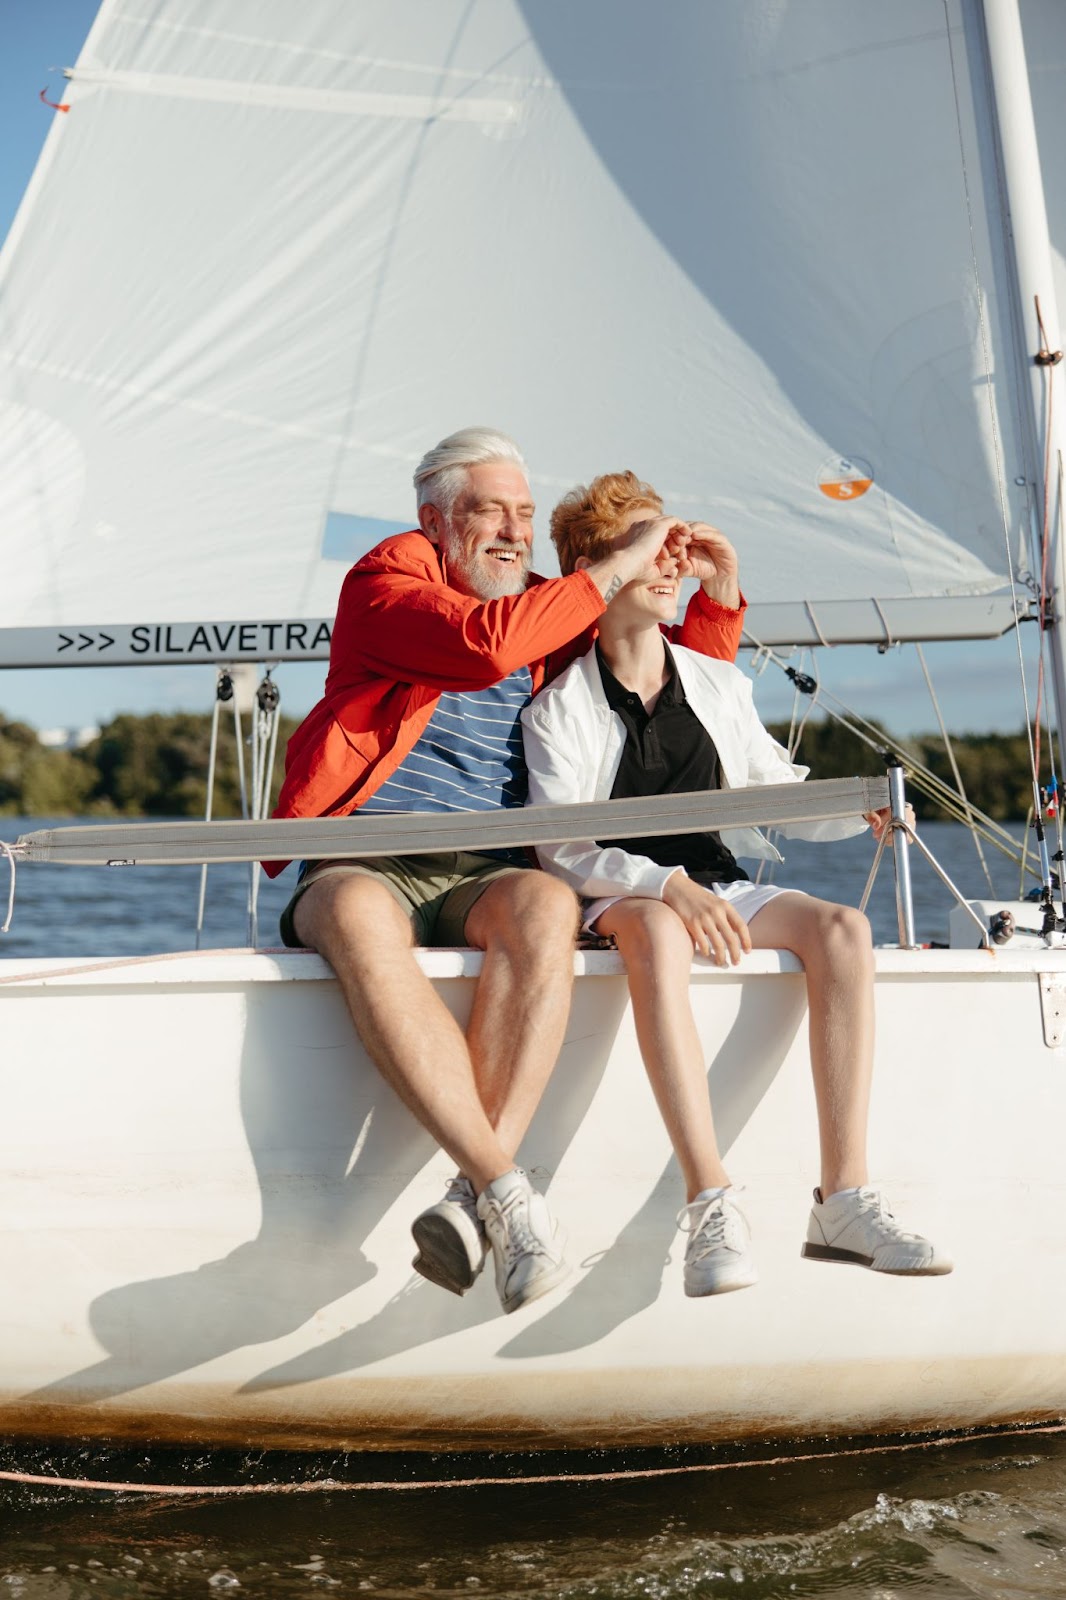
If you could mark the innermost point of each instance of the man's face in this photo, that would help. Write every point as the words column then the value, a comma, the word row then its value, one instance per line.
column 488, row 538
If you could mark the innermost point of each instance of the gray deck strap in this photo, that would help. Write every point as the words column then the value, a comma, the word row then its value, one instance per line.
column 414, row 833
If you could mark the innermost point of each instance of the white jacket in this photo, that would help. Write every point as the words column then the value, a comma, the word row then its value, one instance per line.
column 574, row 743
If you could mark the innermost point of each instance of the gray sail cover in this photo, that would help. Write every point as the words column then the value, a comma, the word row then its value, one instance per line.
column 748, row 248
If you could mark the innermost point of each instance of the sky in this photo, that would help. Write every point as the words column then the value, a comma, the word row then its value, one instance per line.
column 977, row 684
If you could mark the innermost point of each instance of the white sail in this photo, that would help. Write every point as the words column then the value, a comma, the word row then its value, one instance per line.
column 274, row 251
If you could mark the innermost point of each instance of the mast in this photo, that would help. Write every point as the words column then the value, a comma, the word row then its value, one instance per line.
column 1030, row 245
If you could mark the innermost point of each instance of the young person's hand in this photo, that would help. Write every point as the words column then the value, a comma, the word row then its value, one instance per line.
column 716, row 928
column 710, row 557
column 879, row 820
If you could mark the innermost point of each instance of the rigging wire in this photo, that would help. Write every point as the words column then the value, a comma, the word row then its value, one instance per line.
column 919, row 776
column 949, row 747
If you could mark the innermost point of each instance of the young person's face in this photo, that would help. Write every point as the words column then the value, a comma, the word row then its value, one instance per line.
column 654, row 596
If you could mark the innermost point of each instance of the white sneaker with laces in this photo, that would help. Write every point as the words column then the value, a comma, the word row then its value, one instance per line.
column 451, row 1240
column 718, row 1252
column 526, row 1243
column 857, row 1226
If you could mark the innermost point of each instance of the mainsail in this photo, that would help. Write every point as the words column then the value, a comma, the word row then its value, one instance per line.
column 753, row 251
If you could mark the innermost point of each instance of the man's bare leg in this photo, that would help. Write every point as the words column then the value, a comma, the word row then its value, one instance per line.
column 835, row 946
column 412, row 1038
column 525, row 923
column 657, row 950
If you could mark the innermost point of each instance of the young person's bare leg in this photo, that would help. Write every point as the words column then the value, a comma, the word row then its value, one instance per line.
column 657, row 950
column 835, row 946
column 849, row 1222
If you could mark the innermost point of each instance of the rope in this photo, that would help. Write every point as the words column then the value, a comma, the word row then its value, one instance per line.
column 815, row 625
column 264, row 739
column 8, row 853
column 223, row 682
column 889, row 641
column 622, row 1475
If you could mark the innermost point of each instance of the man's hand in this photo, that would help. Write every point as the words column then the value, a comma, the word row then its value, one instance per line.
column 635, row 551
column 710, row 557
column 716, row 928
column 879, row 820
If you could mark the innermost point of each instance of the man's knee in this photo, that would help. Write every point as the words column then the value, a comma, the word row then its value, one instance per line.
column 528, row 912
column 348, row 911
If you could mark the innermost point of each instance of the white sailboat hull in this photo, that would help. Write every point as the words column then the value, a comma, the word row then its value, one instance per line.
column 206, row 1191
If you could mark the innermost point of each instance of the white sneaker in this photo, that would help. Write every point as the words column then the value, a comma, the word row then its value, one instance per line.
column 451, row 1240
column 858, row 1226
column 718, row 1253
column 526, row 1244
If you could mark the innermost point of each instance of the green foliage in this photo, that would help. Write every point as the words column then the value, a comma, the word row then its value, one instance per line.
column 17, row 742
column 157, row 766
column 137, row 766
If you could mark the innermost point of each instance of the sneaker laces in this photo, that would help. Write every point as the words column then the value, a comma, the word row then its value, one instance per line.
column 460, row 1192
column 873, row 1201
column 519, row 1238
column 707, row 1223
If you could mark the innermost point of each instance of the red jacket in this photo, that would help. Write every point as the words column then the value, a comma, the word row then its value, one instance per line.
column 403, row 636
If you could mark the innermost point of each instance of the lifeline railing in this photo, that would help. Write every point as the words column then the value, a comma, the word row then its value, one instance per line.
column 415, row 833
column 424, row 832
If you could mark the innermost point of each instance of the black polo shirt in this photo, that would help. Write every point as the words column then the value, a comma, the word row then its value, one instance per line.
column 668, row 752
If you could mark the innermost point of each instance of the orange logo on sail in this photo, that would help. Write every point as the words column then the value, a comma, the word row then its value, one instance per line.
column 845, row 478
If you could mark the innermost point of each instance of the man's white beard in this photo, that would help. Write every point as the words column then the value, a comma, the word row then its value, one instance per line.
column 481, row 577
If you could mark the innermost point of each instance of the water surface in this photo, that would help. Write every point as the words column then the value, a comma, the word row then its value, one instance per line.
column 981, row 1519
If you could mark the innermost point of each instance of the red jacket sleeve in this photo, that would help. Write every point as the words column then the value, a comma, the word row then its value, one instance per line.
column 710, row 628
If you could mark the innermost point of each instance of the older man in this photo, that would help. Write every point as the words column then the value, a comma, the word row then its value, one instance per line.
column 442, row 637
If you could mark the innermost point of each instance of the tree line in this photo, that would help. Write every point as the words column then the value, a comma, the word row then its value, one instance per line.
column 157, row 765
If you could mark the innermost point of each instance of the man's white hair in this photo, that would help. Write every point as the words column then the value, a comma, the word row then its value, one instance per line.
column 440, row 476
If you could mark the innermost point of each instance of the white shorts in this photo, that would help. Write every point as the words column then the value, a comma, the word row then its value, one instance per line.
column 749, row 899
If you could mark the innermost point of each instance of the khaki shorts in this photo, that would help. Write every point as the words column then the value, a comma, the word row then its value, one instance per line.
column 437, row 892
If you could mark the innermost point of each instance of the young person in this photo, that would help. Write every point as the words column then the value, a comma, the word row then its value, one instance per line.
column 638, row 716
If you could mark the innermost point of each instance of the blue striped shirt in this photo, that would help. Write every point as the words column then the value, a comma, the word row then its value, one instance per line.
column 468, row 758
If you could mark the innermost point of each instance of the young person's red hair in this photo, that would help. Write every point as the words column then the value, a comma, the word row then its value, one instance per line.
column 588, row 519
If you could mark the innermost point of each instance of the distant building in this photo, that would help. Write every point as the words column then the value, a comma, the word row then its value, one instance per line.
column 66, row 738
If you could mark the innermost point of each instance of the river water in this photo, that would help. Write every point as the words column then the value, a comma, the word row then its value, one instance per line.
column 976, row 1518
column 82, row 911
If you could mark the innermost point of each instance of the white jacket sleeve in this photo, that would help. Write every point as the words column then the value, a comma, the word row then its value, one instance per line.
column 768, row 762
column 558, row 756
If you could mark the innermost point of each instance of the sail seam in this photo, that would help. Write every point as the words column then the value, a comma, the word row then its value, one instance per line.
column 286, row 46
column 355, row 103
